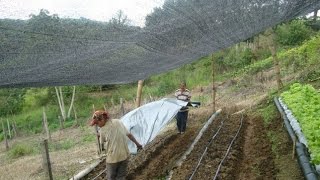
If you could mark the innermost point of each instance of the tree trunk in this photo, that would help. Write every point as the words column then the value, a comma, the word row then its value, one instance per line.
column 213, row 86
column 139, row 92
column 315, row 15
column 72, row 101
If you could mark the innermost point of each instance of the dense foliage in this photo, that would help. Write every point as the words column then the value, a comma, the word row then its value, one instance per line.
column 304, row 102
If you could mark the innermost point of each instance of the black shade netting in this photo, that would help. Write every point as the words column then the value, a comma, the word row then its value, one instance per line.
column 49, row 51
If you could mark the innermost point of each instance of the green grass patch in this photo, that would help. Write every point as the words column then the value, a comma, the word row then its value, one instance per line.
column 268, row 113
column 20, row 150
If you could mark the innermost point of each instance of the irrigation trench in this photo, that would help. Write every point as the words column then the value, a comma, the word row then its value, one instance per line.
column 207, row 160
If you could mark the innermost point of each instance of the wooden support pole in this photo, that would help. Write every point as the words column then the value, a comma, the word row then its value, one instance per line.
column 139, row 92
column 8, row 124
column 72, row 101
column 5, row 135
column 121, row 107
column 294, row 148
column 96, row 129
column 272, row 47
column 213, row 86
column 46, row 160
column 45, row 124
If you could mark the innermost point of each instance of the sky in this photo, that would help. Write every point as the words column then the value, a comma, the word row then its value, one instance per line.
column 100, row 10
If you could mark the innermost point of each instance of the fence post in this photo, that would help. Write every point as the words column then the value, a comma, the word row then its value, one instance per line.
column 213, row 86
column 46, row 159
column 45, row 124
column 139, row 91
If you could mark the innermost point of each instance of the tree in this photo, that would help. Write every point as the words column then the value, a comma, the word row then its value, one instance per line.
column 120, row 19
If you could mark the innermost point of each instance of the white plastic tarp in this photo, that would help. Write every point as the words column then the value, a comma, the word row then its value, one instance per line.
column 145, row 122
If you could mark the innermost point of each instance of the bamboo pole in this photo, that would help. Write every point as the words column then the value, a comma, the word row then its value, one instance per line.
column 72, row 101
column 5, row 135
column 46, row 160
column 213, row 86
column 139, row 92
column 60, row 103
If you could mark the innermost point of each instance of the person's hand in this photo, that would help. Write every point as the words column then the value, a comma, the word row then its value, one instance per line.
column 139, row 147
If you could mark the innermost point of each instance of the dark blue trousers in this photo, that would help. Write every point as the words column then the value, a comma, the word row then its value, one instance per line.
column 182, row 118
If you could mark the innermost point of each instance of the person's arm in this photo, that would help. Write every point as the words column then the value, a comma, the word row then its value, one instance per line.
column 133, row 139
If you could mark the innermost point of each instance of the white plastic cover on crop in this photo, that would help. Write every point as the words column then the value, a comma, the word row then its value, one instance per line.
column 148, row 120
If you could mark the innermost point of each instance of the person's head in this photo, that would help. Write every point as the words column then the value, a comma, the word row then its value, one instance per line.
column 99, row 118
column 183, row 86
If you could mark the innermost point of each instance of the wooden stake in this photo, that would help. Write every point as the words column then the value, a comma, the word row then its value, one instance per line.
column 72, row 101
column 9, row 128
column 15, row 128
column 213, row 86
column 45, row 124
column 96, row 129
column 60, row 103
column 5, row 135
column 272, row 47
column 121, row 107
column 93, row 108
column 294, row 148
column 46, row 160
column 139, row 92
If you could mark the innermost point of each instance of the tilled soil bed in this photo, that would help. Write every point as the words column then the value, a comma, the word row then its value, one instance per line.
column 251, row 155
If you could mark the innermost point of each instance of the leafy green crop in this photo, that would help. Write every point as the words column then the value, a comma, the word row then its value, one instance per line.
column 304, row 102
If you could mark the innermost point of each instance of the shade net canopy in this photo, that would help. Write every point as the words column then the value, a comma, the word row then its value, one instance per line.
column 49, row 51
